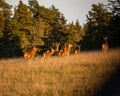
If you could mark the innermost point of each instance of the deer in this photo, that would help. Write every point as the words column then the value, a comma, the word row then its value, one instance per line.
column 57, row 48
column 105, row 45
column 65, row 51
column 68, row 49
column 77, row 50
column 48, row 53
column 62, row 52
column 31, row 53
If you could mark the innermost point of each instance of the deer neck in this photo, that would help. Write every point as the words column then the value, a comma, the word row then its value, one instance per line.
column 68, row 48
column 32, row 51
column 106, row 42
column 57, row 49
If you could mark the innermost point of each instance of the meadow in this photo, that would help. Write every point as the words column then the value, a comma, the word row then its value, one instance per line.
column 81, row 75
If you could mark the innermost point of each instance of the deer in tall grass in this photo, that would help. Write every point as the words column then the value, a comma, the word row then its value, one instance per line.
column 31, row 53
column 105, row 45
column 62, row 52
column 77, row 50
column 48, row 53
column 57, row 48
column 66, row 50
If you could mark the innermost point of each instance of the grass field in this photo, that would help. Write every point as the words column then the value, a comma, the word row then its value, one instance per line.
column 82, row 75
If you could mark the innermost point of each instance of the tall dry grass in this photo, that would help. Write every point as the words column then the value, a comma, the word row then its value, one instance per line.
column 80, row 75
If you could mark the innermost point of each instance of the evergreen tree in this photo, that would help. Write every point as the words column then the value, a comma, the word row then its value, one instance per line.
column 114, row 6
column 5, row 13
column 55, row 30
column 12, row 39
column 34, row 7
column 75, row 32
column 24, row 19
column 29, row 30
column 41, row 25
column 96, row 27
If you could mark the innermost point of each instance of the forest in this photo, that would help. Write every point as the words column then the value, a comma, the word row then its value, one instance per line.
column 35, row 25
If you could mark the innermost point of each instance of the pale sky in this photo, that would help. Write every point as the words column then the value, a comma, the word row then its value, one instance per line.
column 71, row 9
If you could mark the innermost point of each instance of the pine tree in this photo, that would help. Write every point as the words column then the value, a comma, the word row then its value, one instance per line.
column 114, row 25
column 12, row 41
column 96, row 27
column 24, row 18
column 41, row 27
column 5, row 13
column 75, row 33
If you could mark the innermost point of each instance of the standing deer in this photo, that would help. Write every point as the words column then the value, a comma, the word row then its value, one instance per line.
column 65, row 51
column 62, row 52
column 31, row 53
column 77, row 50
column 48, row 53
column 105, row 45
column 68, row 49
column 57, row 48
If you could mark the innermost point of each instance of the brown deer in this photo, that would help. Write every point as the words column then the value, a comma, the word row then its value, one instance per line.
column 77, row 50
column 68, row 49
column 31, row 53
column 48, row 53
column 105, row 45
column 65, row 51
column 57, row 48
column 62, row 52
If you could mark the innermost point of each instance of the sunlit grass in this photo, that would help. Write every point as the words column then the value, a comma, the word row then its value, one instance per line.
column 81, row 75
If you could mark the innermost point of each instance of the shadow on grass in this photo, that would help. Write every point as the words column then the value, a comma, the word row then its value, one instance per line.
column 112, row 86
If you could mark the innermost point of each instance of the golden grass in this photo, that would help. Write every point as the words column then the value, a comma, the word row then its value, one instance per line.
column 80, row 75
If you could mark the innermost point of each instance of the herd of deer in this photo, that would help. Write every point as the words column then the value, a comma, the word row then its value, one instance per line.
column 65, row 52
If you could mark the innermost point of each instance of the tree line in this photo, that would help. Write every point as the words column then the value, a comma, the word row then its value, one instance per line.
column 35, row 25
column 102, row 21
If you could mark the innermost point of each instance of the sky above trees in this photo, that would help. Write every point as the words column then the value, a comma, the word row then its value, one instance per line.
column 72, row 9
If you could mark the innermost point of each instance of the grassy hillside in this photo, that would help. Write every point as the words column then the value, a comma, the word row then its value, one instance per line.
column 81, row 75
